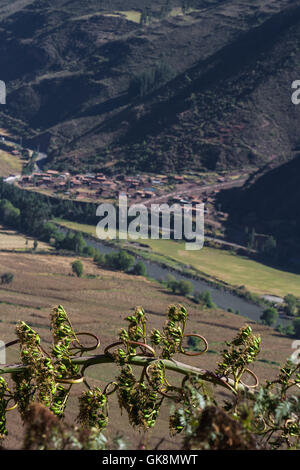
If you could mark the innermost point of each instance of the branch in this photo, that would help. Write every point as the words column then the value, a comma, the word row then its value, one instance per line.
column 143, row 361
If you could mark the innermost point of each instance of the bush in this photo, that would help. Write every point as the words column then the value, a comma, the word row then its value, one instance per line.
column 77, row 268
column 269, row 316
column 289, row 330
column 122, row 260
column 184, row 287
column 291, row 305
column 296, row 325
column 99, row 258
column 179, row 287
column 89, row 251
column 7, row 278
column 73, row 242
column 205, row 298
column 171, row 283
column 140, row 269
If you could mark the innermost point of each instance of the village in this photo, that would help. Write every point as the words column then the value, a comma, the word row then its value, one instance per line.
column 192, row 188
column 98, row 186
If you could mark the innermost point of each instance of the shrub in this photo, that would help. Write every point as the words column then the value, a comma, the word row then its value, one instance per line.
column 289, row 330
column 296, row 325
column 89, row 251
column 269, row 316
column 140, row 269
column 205, row 298
column 77, row 268
column 122, row 260
column 7, row 278
column 99, row 258
column 179, row 287
column 184, row 287
column 291, row 305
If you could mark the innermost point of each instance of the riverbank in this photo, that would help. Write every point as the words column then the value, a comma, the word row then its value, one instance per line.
column 247, row 278
column 159, row 267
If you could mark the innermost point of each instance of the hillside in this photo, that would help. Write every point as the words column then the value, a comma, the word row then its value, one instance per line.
column 269, row 203
column 87, row 82
column 99, row 302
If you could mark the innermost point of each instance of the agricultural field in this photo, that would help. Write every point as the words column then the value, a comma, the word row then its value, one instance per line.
column 220, row 264
column 233, row 269
column 135, row 16
column 10, row 240
column 130, row 15
column 9, row 164
column 99, row 302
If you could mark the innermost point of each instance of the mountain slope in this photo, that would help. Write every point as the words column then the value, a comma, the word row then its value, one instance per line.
column 270, row 205
column 228, row 105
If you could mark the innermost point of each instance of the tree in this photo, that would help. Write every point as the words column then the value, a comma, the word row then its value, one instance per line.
column 77, row 268
column 125, row 260
column 99, row 258
column 89, row 251
column 7, row 278
column 205, row 298
column 291, row 304
column 184, row 287
column 269, row 246
column 9, row 214
column 140, row 269
column 122, row 260
column 180, row 287
column 269, row 316
column 171, row 283
column 296, row 325
column 288, row 330
column 79, row 243
column 252, row 239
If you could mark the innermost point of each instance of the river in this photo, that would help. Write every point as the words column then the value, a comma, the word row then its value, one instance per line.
column 221, row 297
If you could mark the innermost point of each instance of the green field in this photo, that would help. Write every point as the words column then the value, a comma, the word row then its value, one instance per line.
column 233, row 269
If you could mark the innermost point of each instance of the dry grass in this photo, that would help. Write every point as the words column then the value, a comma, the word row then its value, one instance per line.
column 12, row 240
column 99, row 305
column 9, row 164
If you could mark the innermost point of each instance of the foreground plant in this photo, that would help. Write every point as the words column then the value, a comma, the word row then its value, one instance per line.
column 252, row 418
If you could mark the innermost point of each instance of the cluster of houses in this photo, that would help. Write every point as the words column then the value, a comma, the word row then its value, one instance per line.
column 69, row 184
column 193, row 201
column 93, row 185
